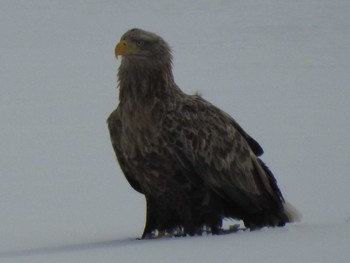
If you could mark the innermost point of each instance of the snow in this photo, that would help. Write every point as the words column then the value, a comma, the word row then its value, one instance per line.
column 281, row 68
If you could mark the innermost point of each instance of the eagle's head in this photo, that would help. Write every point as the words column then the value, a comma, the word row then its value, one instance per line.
column 146, row 68
column 140, row 47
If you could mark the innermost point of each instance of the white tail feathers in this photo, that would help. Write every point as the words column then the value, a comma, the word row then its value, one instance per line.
column 292, row 213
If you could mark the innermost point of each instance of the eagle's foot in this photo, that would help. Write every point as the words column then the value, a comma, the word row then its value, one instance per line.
column 232, row 229
column 161, row 233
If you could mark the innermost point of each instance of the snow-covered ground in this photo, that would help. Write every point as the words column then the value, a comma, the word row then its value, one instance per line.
column 281, row 68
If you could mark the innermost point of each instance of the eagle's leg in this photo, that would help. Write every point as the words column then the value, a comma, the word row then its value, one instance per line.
column 146, row 234
column 161, row 233
column 150, row 225
column 215, row 230
column 193, row 230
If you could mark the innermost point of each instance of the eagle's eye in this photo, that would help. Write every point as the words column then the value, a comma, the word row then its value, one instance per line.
column 140, row 43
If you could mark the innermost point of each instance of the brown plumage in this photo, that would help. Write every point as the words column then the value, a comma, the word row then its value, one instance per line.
column 193, row 162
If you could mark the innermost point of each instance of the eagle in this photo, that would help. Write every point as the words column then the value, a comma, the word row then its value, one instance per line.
column 193, row 162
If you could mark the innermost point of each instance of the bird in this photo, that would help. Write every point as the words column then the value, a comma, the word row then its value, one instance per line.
column 195, row 165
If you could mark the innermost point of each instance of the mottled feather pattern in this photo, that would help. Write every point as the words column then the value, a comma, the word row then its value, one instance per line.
column 192, row 161
column 209, row 139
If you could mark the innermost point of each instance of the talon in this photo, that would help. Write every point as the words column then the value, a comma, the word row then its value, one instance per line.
column 161, row 233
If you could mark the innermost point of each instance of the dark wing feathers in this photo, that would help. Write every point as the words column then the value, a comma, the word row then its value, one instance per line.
column 115, row 127
column 253, row 144
column 208, row 141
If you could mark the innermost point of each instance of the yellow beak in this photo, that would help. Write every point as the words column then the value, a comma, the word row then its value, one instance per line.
column 122, row 48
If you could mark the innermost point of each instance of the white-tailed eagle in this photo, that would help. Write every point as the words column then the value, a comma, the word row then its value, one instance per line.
column 192, row 161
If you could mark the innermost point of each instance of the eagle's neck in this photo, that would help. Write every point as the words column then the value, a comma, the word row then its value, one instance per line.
column 143, row 83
